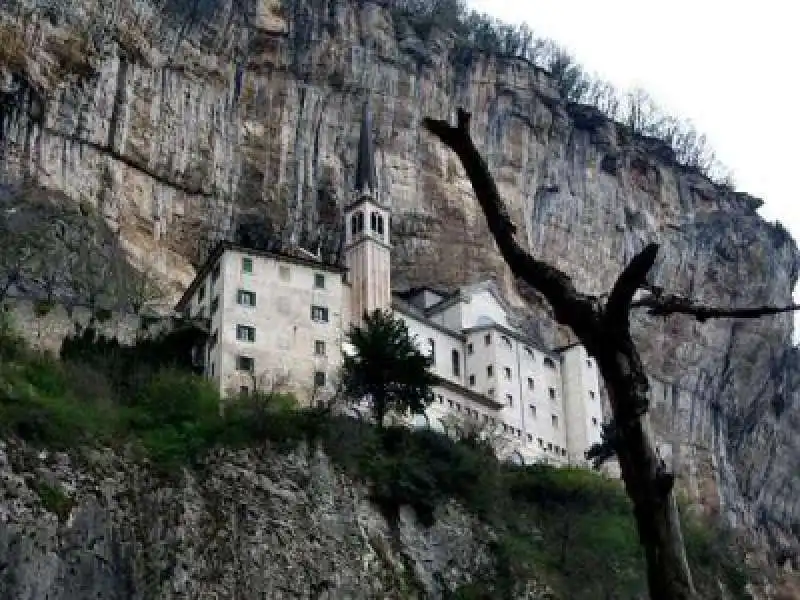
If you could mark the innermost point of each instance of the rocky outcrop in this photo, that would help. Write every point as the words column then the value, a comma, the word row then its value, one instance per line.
column 180, row 120
column 254, row 524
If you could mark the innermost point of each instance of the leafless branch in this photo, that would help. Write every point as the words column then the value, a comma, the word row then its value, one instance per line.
column 663, row 306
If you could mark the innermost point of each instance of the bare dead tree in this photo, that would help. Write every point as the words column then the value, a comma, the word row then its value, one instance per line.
column 604, row 330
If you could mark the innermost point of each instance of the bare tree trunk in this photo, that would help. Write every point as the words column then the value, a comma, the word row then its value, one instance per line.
column 605, row 332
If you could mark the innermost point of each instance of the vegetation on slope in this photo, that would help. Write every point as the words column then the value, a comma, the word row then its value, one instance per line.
column 568, row 527
column 471, row 35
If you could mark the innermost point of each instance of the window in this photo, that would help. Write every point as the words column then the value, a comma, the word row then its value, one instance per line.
column 212, row 369
column 506, row 341
column 244, row 390
column 588, row 363
column 319, row 281
column 213, row 341
column 548, row 362
column 247, row 265
column 557, row 449
column 245, row 333
column 541, row 442
column 594, row 421
column 201, row 293
column 472, row 379
column 246, row 298
column 245, row 363
column 490, row 371
column 552, row 392
column 283, row 273
column 441, row 400
column 458, row 406
column 357, row 223
column 490, row 392
column 509, row 399
column 530, row 437
column 432, row 349
column 380, row 224
column 550, row 446
column 530, row 383
column 487, row 339
column 456, row 359
column 563, row 452
column 215, row 274
column 591, row 394
column 373, row 221
column 319, row 378
column 470, row 348
column 319, row 314
column 319, row 348
column 450, row 403
column 214, row 305
column 533, row 410
column 529, row 351
column 519, row 433
column 554, row 421
column 508, row 372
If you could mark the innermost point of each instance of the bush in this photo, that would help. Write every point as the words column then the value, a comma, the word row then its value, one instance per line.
column 12, row 48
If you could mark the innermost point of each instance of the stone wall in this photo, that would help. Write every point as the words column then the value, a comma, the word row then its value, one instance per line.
column 46, row 332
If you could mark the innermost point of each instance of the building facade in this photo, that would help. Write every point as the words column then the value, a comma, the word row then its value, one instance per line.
column 278, row 321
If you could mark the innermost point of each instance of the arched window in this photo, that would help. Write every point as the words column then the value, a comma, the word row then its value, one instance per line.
column 456, row 358
column 373, row 221
column 360, row 227
column 354, row 224
column 380, row 224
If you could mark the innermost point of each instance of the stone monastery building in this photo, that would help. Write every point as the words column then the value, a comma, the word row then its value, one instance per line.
column 281, row 319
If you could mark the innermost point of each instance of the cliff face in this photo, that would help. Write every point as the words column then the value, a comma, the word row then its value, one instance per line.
column 182, row 120
column 245, row 525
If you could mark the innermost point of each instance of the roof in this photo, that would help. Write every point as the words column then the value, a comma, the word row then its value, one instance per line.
column 400, row 305
column 225, row 246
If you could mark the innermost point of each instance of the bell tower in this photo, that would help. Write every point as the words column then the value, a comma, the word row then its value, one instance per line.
column 367, row 249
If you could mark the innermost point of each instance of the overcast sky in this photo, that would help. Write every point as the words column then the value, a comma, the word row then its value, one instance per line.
column 730, row 67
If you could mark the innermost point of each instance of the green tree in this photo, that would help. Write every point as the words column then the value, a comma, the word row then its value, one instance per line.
column 387, row 368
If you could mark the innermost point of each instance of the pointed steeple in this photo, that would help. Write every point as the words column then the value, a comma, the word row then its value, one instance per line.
column 365, row 173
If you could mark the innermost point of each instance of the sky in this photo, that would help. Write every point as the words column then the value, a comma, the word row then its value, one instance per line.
column 729, row 67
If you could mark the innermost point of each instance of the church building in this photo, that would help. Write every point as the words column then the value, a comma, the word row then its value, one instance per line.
column 278, row 321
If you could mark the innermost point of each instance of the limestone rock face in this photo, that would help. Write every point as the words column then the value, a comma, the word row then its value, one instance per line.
column 181, row 120
column 244, row 526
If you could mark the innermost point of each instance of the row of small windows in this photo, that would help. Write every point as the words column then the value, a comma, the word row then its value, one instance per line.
column 471, row 412
column 247, row 268
column 247, row 364
column 487, row 340
column 375, row 222
column 319, row 314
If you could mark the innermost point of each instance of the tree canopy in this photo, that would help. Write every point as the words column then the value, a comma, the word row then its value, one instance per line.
column 387, row 369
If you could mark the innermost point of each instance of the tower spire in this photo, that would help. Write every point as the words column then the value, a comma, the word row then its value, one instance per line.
column 365, row 172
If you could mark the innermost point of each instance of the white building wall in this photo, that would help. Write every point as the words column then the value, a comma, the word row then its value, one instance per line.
column 443, row 344
column 284, row 350
column 582, row 401
column 482, row 308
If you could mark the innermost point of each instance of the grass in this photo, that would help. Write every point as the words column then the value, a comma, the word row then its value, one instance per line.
column 569, row 527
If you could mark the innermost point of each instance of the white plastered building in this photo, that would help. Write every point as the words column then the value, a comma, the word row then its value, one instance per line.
column 278, row 321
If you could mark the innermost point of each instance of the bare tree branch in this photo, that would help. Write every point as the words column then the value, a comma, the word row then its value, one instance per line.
column 619, row 301
column 671, row 305
column 570, row 307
